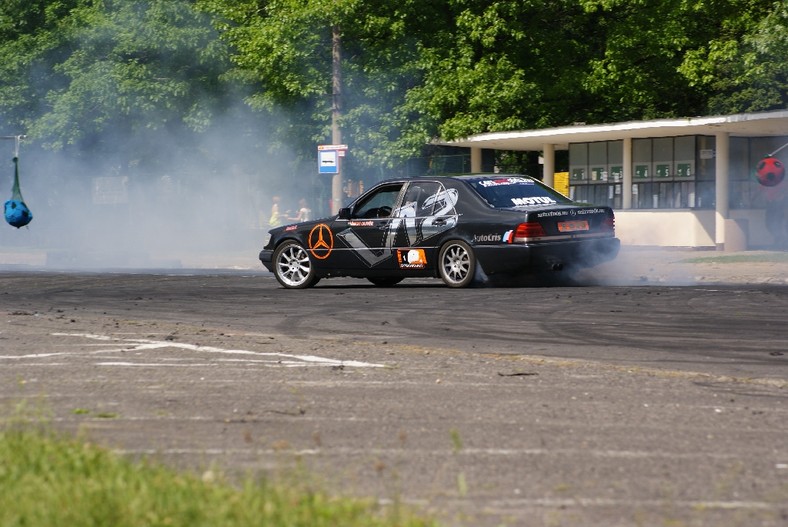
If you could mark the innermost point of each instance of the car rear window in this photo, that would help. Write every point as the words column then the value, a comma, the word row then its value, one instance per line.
column 508, row 192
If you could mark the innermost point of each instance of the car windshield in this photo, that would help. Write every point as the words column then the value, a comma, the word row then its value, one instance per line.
column 506, row 192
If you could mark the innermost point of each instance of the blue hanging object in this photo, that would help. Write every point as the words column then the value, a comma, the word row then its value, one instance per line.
column 16, row 212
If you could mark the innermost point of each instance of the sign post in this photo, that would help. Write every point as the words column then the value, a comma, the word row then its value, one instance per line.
column 328, row 162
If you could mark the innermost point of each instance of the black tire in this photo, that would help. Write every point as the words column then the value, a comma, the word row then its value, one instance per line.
column 293, row 267
column 457, row 264
column 387, row 281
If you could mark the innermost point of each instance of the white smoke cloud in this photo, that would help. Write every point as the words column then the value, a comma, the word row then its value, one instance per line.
column 207, row 206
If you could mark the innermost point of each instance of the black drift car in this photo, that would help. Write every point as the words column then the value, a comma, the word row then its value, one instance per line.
column 459, row 228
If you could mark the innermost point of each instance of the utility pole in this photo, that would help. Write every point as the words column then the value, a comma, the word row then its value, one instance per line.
column 336, row 112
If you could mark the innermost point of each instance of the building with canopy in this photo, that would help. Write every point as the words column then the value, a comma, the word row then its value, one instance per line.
column 674, row 182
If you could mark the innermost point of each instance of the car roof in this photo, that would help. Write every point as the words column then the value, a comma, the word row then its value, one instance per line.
column 462, row 177
column 490, row 176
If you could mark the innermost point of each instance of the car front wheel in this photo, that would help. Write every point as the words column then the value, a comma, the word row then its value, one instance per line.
column 292, row 266
column 457, row 264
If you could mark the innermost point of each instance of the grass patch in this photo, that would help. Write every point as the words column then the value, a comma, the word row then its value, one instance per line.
column 47, row 479
column 757, row 257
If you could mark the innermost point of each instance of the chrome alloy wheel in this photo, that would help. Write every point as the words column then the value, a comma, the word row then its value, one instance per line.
column 457, row 264
column 292, row 266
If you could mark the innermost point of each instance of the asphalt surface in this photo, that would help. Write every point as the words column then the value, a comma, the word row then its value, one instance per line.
column 652, row 393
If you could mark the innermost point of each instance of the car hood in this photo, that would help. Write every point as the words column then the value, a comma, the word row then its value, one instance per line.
column 290, row 227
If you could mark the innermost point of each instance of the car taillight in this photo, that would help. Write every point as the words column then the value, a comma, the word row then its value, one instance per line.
column 528, row 230
column 609, row 223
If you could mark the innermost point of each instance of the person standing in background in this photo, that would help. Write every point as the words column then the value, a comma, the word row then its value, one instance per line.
column 275, row 220
column 304, row 212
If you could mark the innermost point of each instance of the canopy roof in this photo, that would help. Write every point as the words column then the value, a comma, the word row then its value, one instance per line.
column 739, row 125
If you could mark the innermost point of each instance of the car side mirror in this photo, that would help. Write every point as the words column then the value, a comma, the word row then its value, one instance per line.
column 344, row 213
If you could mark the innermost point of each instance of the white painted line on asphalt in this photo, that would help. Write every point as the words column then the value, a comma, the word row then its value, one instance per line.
column 125, row 345
column 518, row 504
column 32, row 356
column 352, row 452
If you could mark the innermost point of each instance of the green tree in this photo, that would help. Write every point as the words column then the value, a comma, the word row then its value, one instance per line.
column 284, row 49
column 501, row 65
column 120, row 78
column 29, row 44
column 126, row 76
column 744, row 68
column 673, row 58
column 634, row 74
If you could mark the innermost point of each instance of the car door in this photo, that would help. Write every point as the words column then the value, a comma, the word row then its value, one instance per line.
column 427, row 209
column 368, row 236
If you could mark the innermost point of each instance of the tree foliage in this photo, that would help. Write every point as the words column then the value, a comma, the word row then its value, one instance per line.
column 503, row 66
column 102, row 75
column 671, row 58
column 284, row 49
column 72, row 71
column 451, row 68
column 744, row 66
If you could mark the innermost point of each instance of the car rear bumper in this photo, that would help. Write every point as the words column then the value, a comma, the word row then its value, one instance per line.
column 514, row 258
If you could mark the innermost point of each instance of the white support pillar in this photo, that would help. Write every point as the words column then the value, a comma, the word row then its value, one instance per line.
column 548, row 168
column 476, row 159
column 721, row 162
column 626, row 184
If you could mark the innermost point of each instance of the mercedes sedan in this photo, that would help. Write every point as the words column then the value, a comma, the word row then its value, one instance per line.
column 461, row 229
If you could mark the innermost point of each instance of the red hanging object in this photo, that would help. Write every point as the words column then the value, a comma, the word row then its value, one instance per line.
column 770, row 171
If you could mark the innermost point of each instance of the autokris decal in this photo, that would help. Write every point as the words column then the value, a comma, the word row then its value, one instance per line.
column 486, row 238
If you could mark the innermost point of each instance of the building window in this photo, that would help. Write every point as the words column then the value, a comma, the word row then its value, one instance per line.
column 664, row 173
column 669, row 172
column 705, row 172
column 742, row 194
column 596, row 172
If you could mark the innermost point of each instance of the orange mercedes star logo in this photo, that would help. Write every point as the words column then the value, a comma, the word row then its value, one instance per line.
column 321, row 241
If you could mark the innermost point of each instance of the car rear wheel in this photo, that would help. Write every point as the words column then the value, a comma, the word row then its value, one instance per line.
column 292, row 266
column 457, row 264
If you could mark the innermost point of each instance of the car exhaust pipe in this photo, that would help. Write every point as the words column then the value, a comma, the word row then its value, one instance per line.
column 553, row 264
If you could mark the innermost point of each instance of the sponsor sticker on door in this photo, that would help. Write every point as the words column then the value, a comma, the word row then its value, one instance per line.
column 411, row 258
